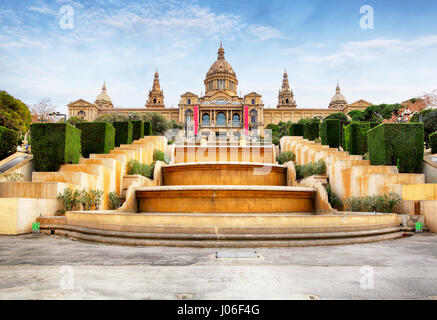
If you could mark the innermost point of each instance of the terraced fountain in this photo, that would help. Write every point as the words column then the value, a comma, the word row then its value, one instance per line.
column 224, row 196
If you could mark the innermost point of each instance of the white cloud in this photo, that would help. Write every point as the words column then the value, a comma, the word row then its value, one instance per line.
column 374, row 49
column 43, row 9
column 265, row 32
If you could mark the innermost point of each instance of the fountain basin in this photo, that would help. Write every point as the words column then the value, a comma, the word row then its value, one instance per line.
column 225, row 173
column 225, row 199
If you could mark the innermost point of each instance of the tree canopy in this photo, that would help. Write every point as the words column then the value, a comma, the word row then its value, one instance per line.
column 376, row 113
column 14, row 114
column 74, row 120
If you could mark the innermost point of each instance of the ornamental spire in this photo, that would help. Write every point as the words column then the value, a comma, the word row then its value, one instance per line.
column 221, row 52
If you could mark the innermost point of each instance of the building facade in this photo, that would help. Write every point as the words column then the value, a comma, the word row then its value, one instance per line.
column 220, row 110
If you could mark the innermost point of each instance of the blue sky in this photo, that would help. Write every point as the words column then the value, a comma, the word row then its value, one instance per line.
column 122, row 42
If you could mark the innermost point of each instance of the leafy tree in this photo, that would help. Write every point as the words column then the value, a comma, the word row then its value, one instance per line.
column 423, row 113
column 14, row 114
column 376, row 113
column 174, row 125
column 158, row 121
column 74, row 120
column 430, row 124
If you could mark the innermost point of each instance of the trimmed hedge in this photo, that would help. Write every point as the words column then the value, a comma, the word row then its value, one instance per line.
column 296, row 129
column 54, row 144
column 96, row 137
column 137, row 130
column 397, row 144
column 8, row 142
column 123, row 133
column 433, row 142
column 311, row 130
column 330, row 133
column 147, row 129
column 355, row 137
column 374, row 124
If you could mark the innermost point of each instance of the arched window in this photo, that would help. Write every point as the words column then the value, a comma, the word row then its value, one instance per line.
column 253, row 101
column 189, row 101
column 221, row 119
column 154, row 101
column 81, row 114
column 189, row 114
column 205, row 120
column 236, row 119
column 253, row 115
column 286, row 101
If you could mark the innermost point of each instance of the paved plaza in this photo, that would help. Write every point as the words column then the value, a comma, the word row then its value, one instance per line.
column 36, row 266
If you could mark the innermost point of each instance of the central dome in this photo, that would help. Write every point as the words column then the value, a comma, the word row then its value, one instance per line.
column 221, row 66
column 221, row 76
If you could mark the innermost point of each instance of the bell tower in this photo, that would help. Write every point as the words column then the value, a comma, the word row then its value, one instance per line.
column 156, row 95
column 285, row 96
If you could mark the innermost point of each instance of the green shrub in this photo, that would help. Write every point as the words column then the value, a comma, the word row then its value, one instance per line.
column 374, row 124
column 276, row 140
column 383, row 204
column 135, row 167
column 330, row 133
column 54, row 144
column 8, row 142
column 296, row 129
column 310, row 169
column 123, row 133
column 399, row 144
column 285, row 157
column 137, row 129
column 311, row 130
column 339, row 116
column 433, row 142
column 147, row 129
column 75, row 120
column 333, row 199
column 96, row 137
column 12, row 177
column 114, row 200
column 159, row 155
column 70, row 199
column 355, row 138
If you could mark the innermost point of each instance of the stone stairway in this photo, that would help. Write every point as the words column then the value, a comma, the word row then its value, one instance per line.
column 350, row 175
column 22, row 202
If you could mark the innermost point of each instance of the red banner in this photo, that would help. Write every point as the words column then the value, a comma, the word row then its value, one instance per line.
column 196, row 119
column 246, row 120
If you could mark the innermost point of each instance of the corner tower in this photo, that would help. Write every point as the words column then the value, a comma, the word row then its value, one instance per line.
column 156, row 95
column 285, row 96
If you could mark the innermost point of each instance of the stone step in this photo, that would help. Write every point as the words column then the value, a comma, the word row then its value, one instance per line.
column 296, row 220
column 233, row 241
